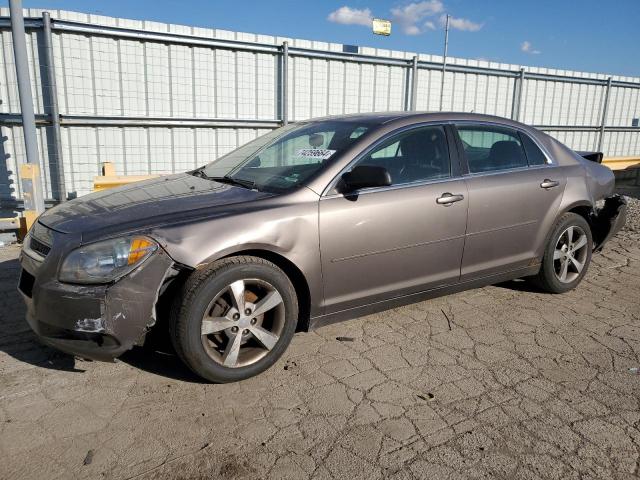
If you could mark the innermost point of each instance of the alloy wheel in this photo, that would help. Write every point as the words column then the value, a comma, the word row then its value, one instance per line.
column 243, row 323
column 570, row 254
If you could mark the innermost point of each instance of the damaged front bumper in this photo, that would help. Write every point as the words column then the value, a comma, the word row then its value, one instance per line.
column 608, row 220
column 98, row 322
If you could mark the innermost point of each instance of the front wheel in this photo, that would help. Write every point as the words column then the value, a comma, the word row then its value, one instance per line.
column 234, row 319
column 567, row 255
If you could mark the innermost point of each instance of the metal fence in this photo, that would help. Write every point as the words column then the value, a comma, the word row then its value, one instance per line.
column 159, row 98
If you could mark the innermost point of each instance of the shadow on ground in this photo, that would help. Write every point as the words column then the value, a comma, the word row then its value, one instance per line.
column 520, row 285
column 162, row 363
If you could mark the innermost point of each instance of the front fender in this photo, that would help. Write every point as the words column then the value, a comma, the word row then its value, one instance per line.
column 290, row 231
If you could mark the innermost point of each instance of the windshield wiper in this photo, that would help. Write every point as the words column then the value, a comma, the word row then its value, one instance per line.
column 199, row 173
column 250, row 184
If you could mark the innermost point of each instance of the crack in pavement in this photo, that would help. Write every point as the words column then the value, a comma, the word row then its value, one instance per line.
column 526, row 385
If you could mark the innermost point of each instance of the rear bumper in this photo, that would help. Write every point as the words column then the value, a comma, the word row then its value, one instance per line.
column 608, row 220
column 98, row 322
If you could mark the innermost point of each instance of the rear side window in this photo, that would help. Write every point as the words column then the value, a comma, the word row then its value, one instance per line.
column 490, row 148
column 416, row 155
column 534, row 154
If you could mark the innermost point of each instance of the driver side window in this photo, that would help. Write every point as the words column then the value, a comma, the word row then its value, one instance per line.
column 420, row 154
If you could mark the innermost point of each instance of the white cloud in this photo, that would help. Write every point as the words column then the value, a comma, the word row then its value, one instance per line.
column 410, row 16
column 461, row 24
column 412, row 19
column 351, row 16
column 412, row 30
column 526, row 47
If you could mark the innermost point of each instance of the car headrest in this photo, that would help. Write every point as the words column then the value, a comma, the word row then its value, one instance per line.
column 418, row 148
column 506, row 152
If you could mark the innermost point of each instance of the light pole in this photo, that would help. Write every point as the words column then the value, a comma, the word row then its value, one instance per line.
column 444, row 59
column 30, row 170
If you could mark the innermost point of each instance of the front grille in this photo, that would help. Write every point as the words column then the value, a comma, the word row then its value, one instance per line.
column 39, row 247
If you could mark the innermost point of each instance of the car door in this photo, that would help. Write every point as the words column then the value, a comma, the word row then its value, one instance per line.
column 514, row 189
column 385, row 242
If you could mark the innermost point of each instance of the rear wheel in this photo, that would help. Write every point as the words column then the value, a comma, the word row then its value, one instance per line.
column 567, row 255
column 235, row 319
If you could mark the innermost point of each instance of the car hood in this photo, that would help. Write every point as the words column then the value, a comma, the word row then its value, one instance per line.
column 150, row 203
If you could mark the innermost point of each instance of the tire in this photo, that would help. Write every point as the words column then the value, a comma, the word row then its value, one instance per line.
column 561, row 249
column 214, row 338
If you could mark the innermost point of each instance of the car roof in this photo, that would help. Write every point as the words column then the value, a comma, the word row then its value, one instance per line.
column 385, row 118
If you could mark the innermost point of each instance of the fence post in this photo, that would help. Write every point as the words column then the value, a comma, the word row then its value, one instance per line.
column 53, row 107
column 29, row 172
column 414, row 83
column 284, row 94
column 444, row 61
column 603, row 119
column 517, row 96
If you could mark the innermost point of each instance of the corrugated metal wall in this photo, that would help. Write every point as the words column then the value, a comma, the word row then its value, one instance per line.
column 165, row 84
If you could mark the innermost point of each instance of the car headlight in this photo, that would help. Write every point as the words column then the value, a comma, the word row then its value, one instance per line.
column 106, row 261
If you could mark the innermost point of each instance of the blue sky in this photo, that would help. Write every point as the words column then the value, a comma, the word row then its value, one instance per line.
column 586, row 35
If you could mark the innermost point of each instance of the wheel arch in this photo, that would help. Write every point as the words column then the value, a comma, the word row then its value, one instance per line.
column 584, row 209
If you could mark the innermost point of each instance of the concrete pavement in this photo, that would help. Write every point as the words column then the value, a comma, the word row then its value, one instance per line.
column 500, row 382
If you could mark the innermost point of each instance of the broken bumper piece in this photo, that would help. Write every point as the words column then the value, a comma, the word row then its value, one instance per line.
column 98, row 322
column 608, row 220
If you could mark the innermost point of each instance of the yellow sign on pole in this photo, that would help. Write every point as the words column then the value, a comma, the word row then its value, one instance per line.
column 381, row 27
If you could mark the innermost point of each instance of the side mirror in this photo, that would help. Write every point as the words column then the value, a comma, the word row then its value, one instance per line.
column 365, row 176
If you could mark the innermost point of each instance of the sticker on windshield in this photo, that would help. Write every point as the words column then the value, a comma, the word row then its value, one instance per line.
column 317, row 153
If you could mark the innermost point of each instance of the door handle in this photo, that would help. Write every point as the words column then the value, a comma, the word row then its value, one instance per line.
column 448, row 198
column 547, row 184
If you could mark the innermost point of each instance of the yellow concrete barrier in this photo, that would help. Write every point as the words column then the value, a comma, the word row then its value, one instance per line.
column 109, row 179
column 12, row 223
column 621, row 163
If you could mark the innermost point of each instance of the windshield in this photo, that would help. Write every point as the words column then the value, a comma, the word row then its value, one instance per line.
column 285, row 158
